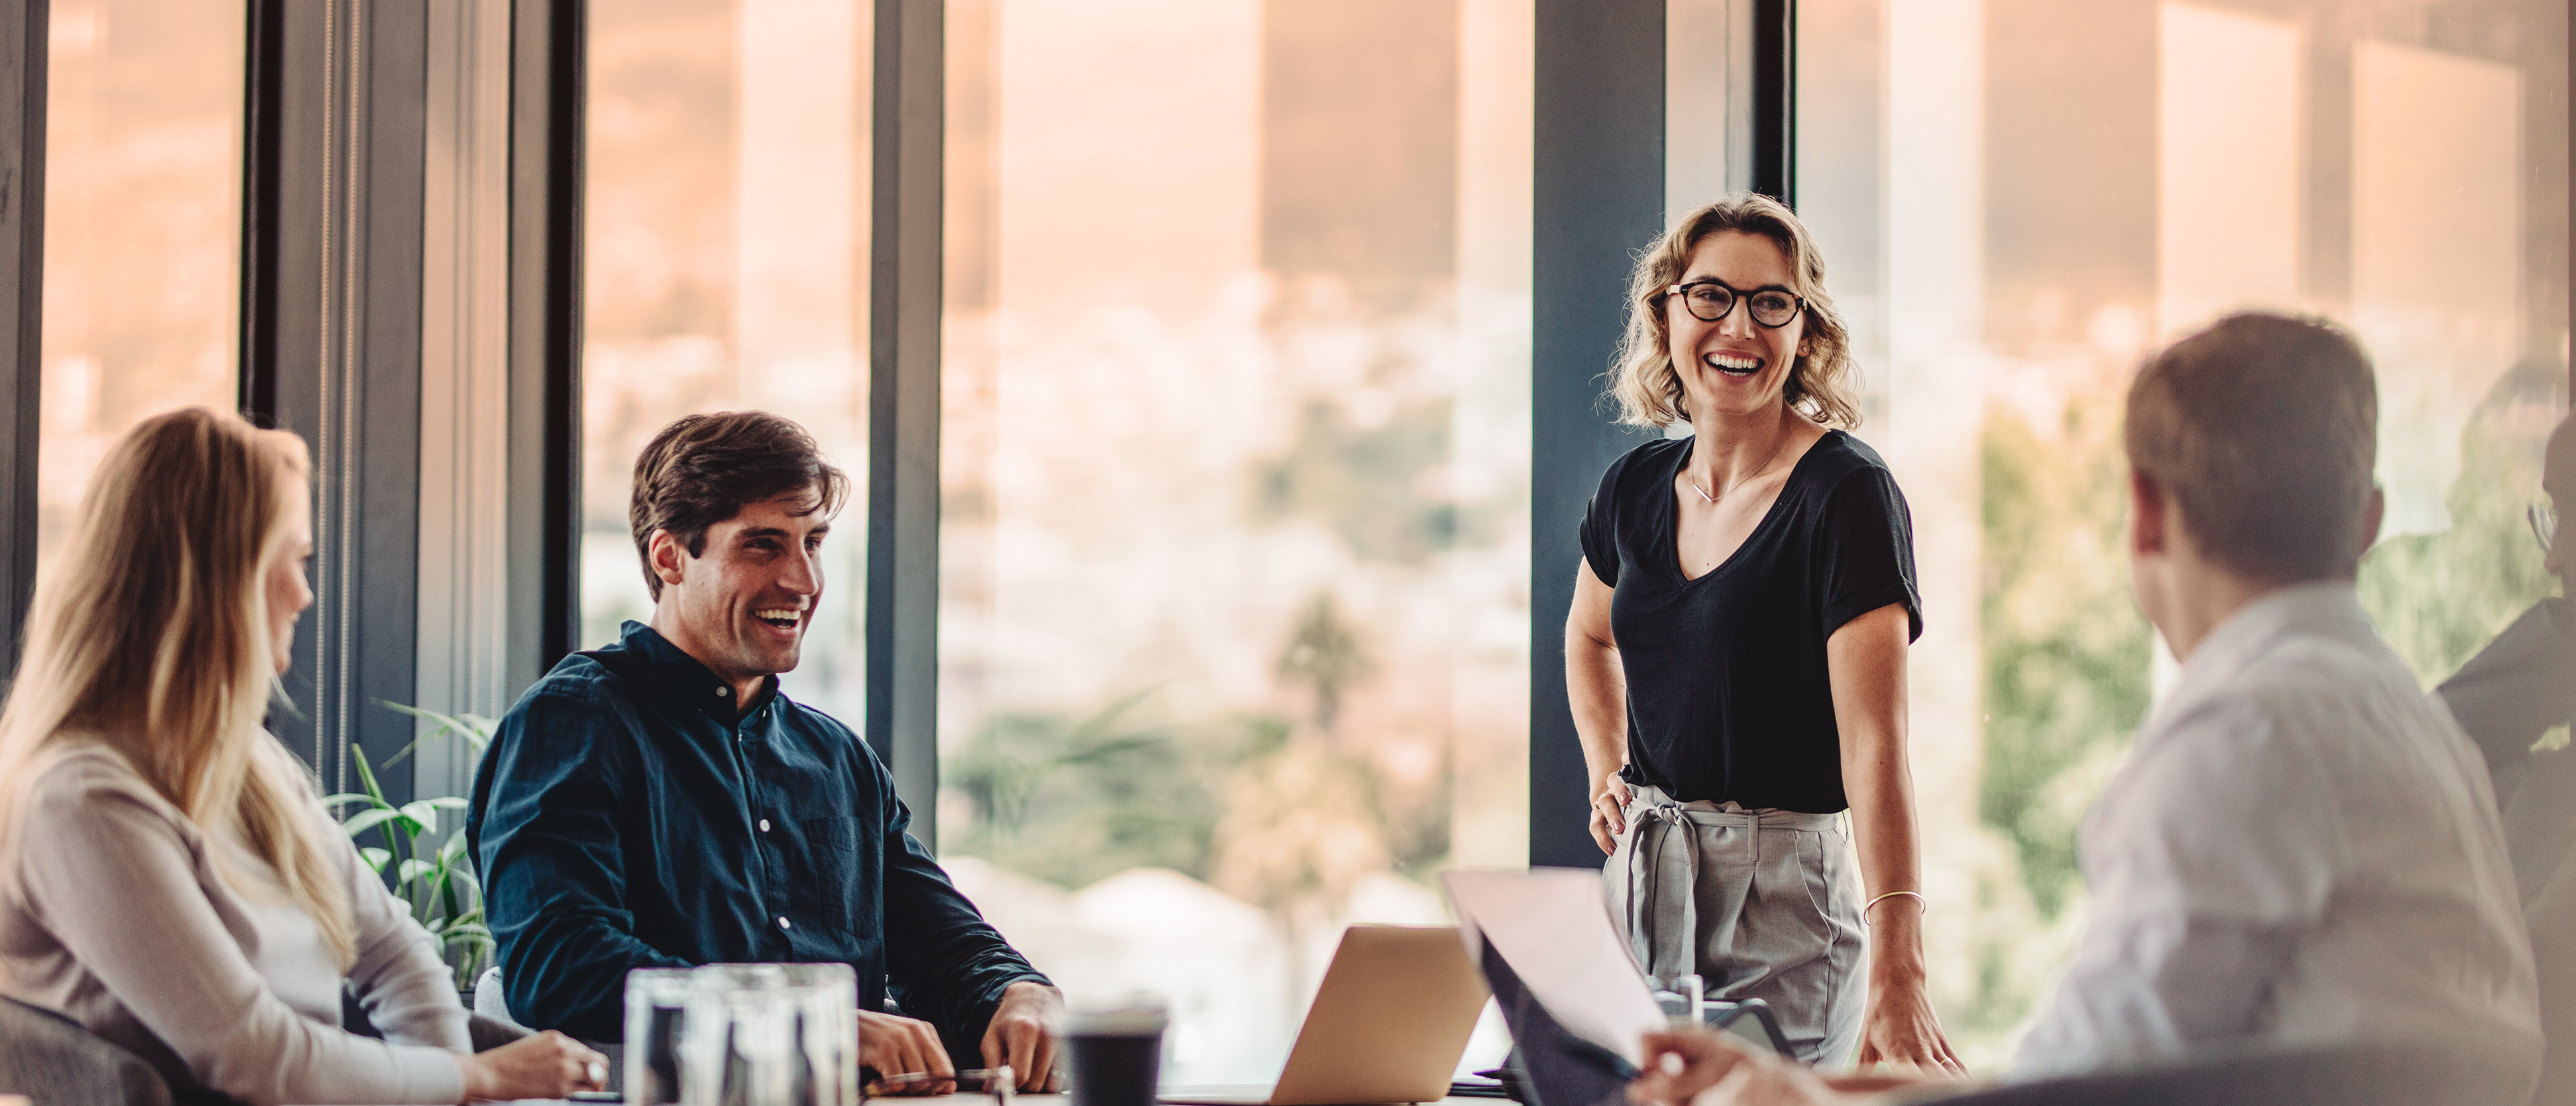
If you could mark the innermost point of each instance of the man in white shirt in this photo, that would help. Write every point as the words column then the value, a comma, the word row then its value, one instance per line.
column 2303, row 848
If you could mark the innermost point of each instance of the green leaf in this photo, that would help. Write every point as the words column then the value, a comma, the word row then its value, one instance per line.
column 479, row 730
column 450, row 802
column 423, row 813
column 476, row 729
column 413, row 870
column 345, row 798
column 376, row 858
column 369, row 819
column 367, row 776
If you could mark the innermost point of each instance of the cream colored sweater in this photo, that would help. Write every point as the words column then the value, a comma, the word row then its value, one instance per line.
column 114, row 913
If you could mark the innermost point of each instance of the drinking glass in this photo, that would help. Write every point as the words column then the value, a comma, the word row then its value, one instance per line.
column 825, row 998
column 771, row 1035
column 1677, row 995
column 657, row 1003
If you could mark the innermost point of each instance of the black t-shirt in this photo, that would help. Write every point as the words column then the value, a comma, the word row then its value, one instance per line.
column 1728, row 695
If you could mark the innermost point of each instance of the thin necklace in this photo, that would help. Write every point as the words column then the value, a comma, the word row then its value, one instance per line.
column 1739, row 482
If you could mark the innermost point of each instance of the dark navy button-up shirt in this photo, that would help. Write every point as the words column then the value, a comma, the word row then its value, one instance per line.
column 627, row 816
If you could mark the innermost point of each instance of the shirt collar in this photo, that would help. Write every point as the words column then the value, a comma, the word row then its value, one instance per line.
column 691, row 680
column 2329, row 608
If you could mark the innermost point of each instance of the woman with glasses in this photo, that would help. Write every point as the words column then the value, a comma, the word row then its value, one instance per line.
column 1735, row 656
column 168, row 877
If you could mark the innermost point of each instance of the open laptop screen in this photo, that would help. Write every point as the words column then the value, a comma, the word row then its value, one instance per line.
column 1556, row 1067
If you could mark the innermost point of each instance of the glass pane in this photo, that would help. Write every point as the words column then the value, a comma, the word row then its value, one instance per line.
column 143, row 177
column 1234, row 612
column 726, row 266
column 2019, row 197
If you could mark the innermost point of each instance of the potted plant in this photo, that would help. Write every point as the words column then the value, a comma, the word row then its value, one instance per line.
column 428, row 870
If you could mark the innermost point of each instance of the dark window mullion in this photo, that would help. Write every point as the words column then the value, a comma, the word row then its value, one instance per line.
column 23, row 45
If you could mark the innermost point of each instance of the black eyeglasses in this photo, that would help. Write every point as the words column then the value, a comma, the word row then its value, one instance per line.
column 1710, row 301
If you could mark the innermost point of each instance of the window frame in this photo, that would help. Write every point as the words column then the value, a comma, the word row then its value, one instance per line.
column 23, row 53
column 1599, row 190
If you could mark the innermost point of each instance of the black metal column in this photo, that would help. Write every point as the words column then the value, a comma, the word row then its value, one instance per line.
column 1598, row 196
column 547, row 83
column 331, row 347
column 903, row 402
column 1775, row 99
column 23, row 42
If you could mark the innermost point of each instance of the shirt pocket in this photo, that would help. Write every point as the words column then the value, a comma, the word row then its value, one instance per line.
column 831, row 885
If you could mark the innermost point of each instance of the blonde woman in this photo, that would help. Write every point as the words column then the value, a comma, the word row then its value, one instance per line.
column 1735, row 655
column 167, row 876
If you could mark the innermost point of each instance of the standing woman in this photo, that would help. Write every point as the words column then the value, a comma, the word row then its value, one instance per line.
column 1735, row 655
column 168, row 877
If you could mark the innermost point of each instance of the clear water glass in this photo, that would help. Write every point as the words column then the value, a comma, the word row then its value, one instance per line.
column 1677, row 995
column 657, row 1003
column 771, row 1035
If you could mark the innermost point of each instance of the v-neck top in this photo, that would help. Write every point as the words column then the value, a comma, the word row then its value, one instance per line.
column 1729, row 697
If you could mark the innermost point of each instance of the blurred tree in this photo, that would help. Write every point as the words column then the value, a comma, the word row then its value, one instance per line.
column 2067, row 654
column 2438, row 598
column 1074, row 798
column 1368, row 483
column 1325, row 653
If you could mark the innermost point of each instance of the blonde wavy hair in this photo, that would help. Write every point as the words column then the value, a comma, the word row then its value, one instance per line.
column 152, row 637
column 1824, row 382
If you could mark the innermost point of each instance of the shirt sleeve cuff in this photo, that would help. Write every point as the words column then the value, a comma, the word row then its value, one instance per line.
column 428, row 1075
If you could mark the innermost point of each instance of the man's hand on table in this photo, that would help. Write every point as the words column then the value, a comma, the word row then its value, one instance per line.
column 901, row 1046
column 1022, row 1035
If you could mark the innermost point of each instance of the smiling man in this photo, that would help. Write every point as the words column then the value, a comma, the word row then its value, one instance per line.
column 660, row 803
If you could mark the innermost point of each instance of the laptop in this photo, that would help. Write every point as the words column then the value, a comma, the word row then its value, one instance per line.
column 1388, row 1025
column 1569, row 989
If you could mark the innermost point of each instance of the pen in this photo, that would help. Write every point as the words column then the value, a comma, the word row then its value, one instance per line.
column 998, row 1080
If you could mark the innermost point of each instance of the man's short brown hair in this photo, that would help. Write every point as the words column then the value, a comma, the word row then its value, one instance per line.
column 704, row 469
column 2264, row 428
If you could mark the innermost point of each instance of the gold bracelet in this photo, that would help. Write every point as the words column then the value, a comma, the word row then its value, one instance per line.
column 1915, row 895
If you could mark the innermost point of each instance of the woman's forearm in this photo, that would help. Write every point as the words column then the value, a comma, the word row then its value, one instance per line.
column 1881, row 790
column 1868, row 663
column 1596, row 687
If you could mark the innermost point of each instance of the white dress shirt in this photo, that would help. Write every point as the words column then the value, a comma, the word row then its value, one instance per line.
column 2302, row 850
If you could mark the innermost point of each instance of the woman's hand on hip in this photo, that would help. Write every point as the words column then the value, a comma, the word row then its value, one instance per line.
column 1900, row 1030
column 544, row 1065
column 1609, row 814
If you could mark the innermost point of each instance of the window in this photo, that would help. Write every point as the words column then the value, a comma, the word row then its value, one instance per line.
column 726, row 260
column 1234, row 539
column 142, row 228
column 2016, row 199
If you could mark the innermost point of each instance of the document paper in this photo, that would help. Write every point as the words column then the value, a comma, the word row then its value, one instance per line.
column 1552, row 925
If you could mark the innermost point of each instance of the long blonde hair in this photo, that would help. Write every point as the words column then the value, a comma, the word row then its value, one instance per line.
column 152, row 636
column 1824, row 382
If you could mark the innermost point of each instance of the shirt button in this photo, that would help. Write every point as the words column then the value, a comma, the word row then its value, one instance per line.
column 782, row 924
column 764, row 825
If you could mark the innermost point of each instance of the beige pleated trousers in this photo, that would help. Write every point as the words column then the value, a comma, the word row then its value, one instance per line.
column 1760, row 903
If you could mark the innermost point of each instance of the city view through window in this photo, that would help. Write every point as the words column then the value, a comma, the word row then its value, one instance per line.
column 725, row 265
column 2016, row 199
column 1235, row 441
column 143, row 106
